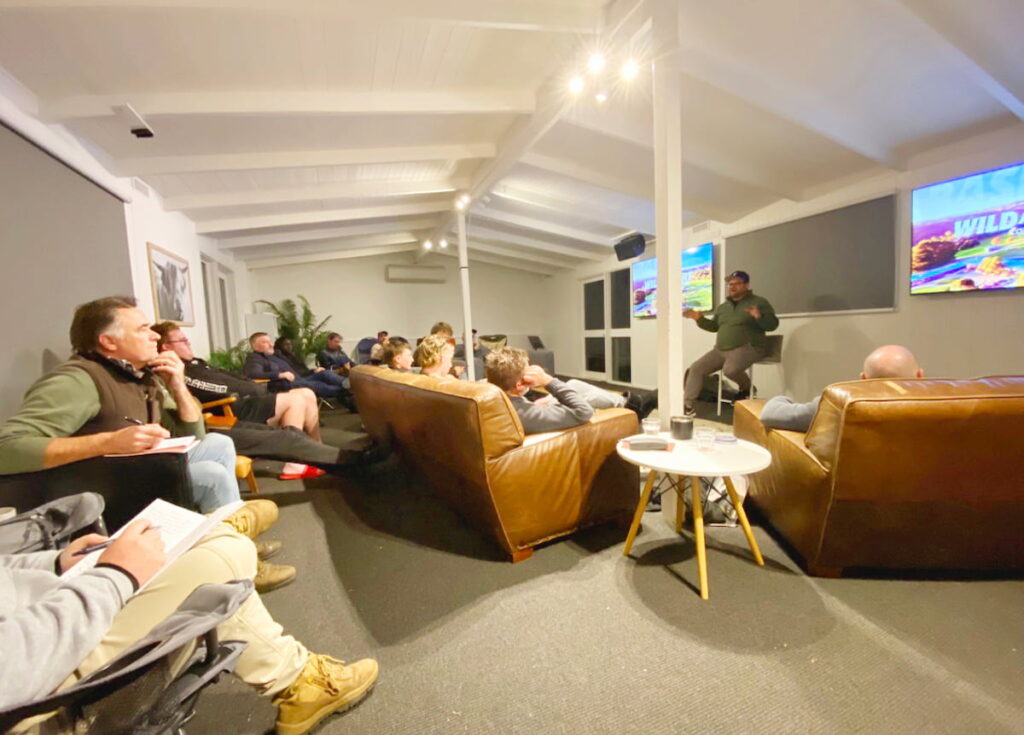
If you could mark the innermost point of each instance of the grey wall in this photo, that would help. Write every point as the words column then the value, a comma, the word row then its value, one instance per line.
column 63, row 241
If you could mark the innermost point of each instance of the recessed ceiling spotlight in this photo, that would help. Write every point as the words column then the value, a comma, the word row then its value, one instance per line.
column 576, row 84
column 629, row 69
column 601, row 97
column 427, row 245
column 595, row 64
column 464, row 199
column 443, row 244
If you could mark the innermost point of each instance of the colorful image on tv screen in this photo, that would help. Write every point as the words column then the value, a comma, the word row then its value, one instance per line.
column 968, row 234
column 698, row 277
column 645, row 288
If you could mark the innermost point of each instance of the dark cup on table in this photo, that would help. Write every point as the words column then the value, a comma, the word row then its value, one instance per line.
column 682, row 428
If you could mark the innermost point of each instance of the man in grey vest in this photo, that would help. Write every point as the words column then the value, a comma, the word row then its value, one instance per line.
column 118, row 395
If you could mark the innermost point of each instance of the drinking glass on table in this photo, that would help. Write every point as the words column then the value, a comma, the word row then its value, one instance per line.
column 704, row 437
column 651, row 426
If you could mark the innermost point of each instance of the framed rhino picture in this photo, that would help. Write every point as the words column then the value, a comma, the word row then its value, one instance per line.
column 172, row 287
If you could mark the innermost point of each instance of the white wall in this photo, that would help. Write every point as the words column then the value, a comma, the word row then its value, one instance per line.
column 960, row 335
column 355, row 294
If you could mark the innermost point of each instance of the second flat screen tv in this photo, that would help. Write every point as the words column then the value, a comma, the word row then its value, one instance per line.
column 968, row 233
column 697, row 281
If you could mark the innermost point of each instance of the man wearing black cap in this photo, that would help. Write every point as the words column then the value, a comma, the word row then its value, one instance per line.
column 740, row 323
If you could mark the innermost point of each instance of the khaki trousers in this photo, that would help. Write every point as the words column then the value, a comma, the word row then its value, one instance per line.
column 733, row 363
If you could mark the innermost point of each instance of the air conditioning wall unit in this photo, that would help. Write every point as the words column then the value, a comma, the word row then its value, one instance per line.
column 415, row 273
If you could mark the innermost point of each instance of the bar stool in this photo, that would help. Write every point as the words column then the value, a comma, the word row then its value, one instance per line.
column 773, row 355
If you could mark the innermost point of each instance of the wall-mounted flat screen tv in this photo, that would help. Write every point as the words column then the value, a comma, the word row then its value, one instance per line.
column 645, row 288
column 697, row 280
column 698, row 277
column 968, row 233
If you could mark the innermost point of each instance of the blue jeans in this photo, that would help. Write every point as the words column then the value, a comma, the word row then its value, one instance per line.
column 211, row 466
column 326, row 384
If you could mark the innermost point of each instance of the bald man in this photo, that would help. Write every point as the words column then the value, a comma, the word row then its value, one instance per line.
column 890, row 361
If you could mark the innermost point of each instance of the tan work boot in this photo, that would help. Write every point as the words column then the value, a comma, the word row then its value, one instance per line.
column 325, row 686
column 267, row 549
column 271, row 576
column 253, row 518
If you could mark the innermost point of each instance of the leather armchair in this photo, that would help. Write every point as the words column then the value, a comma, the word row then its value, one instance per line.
column 899, row 474
column 466, row 442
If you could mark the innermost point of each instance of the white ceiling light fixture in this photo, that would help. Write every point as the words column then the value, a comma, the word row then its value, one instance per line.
column 427, row 245
column 576, row 84
column 596, row 63
column 443, row 244
column 629, row 69
column 601, row 98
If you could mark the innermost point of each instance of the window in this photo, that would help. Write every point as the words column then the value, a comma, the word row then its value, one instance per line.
column 621, row 301
column 622, row 371
column 593, row 305
column 594, row 352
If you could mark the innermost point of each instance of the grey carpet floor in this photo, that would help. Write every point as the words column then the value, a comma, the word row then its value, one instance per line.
column 579, row 639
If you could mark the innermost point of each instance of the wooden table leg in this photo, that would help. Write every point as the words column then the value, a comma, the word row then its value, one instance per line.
column 645, row 495
column 698, row 533
column 680, row 505
column 737, row 503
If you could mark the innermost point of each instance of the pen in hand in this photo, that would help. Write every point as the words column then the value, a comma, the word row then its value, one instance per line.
column 105, row 544
column 130, row 420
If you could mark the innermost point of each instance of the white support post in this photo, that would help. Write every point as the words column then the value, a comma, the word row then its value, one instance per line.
column 668, row 191
column 467, row 309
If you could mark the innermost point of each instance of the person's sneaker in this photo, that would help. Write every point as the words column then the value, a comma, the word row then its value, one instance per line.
column 267, row 549
column 325, row 686
column 690, row 412
column 271, row 576
column 741, row 395
column 253, row 518
column 308, row 473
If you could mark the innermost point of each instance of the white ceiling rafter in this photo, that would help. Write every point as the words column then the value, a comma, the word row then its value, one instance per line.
column 334, row 190
column 295, row 103
column 618, row 17
column 479, row 257
column 325, row 246
column 236, row 224
column 973, row 52
column 545, row 201
column 530, row 223
column 148, row 165
column 518, row 15
column 489, row 234
column 325, row 233
column 322, row 257
column 484, row 247
column 787, row 101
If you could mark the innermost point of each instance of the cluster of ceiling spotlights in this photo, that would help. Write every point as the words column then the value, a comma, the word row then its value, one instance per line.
column 460, row 204
column 599, row 78
column 429, row 244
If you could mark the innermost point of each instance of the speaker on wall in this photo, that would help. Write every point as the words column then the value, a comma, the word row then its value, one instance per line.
column 630, row 247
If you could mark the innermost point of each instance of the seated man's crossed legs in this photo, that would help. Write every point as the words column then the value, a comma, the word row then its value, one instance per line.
column 305, row 687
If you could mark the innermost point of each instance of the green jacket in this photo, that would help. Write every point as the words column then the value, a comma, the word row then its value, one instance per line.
column 735, row 327
column 58, row 405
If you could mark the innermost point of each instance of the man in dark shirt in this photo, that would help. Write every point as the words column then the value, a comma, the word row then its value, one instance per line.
column 740, row 323
column 333, row 357
column 262, row 363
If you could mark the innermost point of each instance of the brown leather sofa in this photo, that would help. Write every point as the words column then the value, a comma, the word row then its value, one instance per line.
column 903, row 474
column 465, row 440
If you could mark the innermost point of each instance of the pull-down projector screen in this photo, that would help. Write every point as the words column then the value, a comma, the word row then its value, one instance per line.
column 843, row 260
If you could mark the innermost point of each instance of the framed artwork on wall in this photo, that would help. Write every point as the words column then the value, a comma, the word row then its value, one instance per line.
column 172, row 286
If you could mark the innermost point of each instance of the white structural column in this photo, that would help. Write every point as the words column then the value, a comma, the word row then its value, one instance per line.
column 668, row 201
column 467, row 307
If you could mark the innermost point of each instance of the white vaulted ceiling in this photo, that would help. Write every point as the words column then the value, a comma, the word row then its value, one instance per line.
column 300, row 129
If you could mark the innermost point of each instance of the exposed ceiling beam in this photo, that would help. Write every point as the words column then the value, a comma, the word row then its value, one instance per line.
column 324, row 246
column 488, row 234
column 720, row 163
column 234, row 224
column 638, row 189
column 321, row 257
column 484, row 247
column 444, row 102
column 324, row 233
column 529, row 223
column 803, row 107
column 519, row 15
column 478, row 257
column 333, row 190
column 978, row 54
column 544, row 200
column 149, row 165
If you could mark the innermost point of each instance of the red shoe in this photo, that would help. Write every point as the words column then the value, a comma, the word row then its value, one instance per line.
column 309, row 473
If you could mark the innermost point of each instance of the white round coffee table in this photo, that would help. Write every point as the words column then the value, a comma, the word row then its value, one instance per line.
column 685, row 460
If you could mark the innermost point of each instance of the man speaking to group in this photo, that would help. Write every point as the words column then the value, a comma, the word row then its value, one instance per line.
column 740, row 323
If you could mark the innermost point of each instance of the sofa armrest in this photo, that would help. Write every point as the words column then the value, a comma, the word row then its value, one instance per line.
column 127, row 484
column 746, row 422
